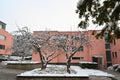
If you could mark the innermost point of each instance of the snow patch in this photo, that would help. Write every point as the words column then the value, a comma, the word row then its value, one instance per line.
column 17, row 62
column 60, row 70
column 88, row 62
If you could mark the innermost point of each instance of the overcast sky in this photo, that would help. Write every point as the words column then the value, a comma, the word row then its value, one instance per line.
column 39, row 14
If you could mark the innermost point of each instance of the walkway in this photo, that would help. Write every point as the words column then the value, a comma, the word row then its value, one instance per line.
column 8, row 74
column 117, row 74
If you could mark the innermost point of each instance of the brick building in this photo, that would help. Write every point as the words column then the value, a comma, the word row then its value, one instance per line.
column 5, row 41
column 105, row 54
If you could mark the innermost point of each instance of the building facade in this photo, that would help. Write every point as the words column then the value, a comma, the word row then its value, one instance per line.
column 5, row 41
column 105, row 54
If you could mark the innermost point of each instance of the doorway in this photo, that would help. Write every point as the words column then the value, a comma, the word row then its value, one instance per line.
column 99, row 61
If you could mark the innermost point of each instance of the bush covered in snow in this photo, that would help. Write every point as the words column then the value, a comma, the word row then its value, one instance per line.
column 18, row 58
column 115, row 67
column 3, row 60
column 15, row 58
column 89, row 65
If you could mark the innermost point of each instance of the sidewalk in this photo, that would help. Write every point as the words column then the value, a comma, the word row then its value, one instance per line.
column 116, row 74
column 8, row 74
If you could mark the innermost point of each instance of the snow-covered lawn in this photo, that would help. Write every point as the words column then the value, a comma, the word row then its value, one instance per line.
column 60, row 70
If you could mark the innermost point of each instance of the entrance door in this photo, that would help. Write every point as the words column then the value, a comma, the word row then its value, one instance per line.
column 99, row 61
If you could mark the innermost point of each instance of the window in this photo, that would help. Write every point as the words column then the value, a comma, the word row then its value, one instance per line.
column 2, row 46
column 2, row 37
column 109, row 64
column 107, row 46
column 73, row 48
column 114, row 41
column 108, row 55
column 66, row 35
column 80, row 48
column 115, row 54
column 81, row 58
column 2, row 26
column 106, row 36
column 75, row 38
column 66, row 48
column 77, row 58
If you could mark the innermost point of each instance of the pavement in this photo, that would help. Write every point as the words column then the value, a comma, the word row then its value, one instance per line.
column 10, row 74
column 116, row 74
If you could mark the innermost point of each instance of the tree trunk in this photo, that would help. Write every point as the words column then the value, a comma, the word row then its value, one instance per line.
column 22, row 57
column 68, row 65
column 42, row 63
column 69, row 62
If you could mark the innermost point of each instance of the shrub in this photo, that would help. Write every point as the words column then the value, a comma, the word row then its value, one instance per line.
column 3, row 60
column 115, row 67
column 89, row 65
column 118, row 68
column 28, row 58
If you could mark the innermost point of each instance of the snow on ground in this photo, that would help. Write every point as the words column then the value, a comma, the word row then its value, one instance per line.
column 88, row 62
column 60, row 70
column 15, row 58
column 17, row 62
column 115, row 67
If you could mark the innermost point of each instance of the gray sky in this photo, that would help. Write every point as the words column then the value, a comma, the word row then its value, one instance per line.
column 39, row 14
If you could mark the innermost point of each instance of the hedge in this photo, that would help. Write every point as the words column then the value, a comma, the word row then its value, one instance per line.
column 89, row 65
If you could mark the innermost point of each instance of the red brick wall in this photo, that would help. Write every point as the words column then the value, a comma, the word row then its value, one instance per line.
column 97, row 49
column 7, row 42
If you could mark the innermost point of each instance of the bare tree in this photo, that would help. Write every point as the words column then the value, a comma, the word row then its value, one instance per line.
column 45, row 44
column 21, row 42
column 25, row 42
column 71, row 46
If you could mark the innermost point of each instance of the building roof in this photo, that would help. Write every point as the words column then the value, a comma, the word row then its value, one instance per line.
column 2, row 23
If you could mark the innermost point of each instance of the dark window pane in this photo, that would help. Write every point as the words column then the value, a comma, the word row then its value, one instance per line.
column 76, row 58
column 108, row 55
column 77, row 38
column 114, row 42
column 66, row 35
column 109, row 64
column 2, row 46
column 115, row 54
column 73, row 48
column 95, row 59
column 73, row 37
column 80, row 48
column 107, row 46
column 106, row 36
